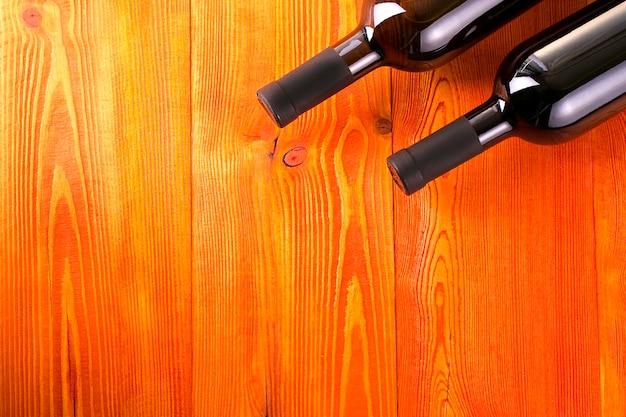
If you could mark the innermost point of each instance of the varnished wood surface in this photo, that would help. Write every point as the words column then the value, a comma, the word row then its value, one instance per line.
column 166, row 251
column 95, row 208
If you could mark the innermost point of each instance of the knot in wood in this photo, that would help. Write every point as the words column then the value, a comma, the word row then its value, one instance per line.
column 32, row 17
column 384, row 126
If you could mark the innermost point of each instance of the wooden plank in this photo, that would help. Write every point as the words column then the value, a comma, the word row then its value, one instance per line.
column 231, row 140
column 496, row 288
column 95, row 208
column 609, row 156
column 293, row 261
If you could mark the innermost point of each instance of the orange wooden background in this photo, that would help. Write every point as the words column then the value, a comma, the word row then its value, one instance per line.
column 166, row 251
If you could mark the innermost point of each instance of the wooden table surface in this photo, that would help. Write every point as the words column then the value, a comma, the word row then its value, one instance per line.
column 166, row 251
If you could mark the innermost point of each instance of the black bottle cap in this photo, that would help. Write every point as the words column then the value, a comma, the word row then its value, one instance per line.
column 305, row 87
column 445, row 149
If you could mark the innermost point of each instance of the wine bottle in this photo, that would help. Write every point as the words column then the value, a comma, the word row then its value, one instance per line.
column 552, row 88
column 410, row 35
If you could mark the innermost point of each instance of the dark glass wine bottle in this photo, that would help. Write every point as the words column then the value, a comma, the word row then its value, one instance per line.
column 552, row 88
column 411, row 35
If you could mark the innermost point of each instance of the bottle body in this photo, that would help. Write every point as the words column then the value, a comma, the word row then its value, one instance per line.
column 552, row 88
column 410, row 35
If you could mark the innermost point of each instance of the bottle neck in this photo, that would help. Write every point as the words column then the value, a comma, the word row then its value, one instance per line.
column 493, row 121
column 358, row 54
column 452, row 145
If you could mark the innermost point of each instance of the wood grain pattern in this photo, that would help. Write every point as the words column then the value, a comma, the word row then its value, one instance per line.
column 608, row 174
column 166, row 251
column 95, row 208
column 228, row 153
column 294, row 235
